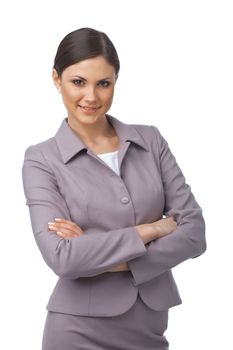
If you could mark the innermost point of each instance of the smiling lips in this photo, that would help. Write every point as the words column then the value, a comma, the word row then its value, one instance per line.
column 89, row 110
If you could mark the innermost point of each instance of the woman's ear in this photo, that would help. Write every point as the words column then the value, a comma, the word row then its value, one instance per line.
column 56, row 80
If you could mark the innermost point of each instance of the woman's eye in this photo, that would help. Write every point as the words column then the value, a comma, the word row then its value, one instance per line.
column 77, row 82
column 104, row 83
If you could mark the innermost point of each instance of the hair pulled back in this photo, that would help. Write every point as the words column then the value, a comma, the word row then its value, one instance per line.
column 82, row 44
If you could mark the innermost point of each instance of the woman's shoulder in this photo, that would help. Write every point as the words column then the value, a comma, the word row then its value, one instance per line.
column 149, row 132
column 147, row 128
column 140, row 127
column 41, row 150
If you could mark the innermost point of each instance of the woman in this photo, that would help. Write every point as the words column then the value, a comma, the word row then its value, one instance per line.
column 110, row 211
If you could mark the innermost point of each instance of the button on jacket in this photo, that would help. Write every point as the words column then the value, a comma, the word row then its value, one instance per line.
column 63, row 178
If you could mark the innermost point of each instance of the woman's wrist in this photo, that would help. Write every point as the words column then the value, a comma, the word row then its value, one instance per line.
column 147, row 232
column 121, row 267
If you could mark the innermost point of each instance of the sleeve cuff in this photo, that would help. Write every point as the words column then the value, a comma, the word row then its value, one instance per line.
column 138, row 270
column 138, row 242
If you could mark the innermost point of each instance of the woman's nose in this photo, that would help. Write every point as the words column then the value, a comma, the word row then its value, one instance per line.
column 90, row 94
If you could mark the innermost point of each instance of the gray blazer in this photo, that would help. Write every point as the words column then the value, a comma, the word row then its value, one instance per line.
column 63, row 178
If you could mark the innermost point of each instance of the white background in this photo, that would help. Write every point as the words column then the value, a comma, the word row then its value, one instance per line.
column 177, row 74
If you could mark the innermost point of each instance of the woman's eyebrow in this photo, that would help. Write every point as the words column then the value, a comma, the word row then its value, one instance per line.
column 78, row 76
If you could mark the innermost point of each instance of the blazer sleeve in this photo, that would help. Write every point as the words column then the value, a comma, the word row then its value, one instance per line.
column 188, row 240
column 83, row 256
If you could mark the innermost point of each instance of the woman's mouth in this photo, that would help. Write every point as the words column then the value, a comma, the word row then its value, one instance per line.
column 88, row 110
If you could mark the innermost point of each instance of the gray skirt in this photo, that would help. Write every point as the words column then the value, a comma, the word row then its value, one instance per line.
column 138, row 328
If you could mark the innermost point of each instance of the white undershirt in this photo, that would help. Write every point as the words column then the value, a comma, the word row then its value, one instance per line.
column 111, row 160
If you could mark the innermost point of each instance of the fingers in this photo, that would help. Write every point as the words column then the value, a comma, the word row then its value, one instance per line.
column 65, row 228
column 63, row 231
column 67, row 222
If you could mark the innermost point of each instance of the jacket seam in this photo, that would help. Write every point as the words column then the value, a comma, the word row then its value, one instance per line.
column 157, row 142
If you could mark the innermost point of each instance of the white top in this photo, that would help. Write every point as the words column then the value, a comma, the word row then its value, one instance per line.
column 111, row 160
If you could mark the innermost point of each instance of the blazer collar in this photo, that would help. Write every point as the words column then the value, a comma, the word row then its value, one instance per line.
column 70, row 144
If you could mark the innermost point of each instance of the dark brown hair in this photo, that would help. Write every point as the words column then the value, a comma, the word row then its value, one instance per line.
column 82, row 44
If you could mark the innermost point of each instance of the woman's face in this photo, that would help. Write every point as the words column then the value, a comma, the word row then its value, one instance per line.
column 87, row 89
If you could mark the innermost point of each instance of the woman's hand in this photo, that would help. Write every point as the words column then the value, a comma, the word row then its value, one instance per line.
column 120, row 267
column 157, row 229
column 65, row 228
column 164, row 226
column 68, row 229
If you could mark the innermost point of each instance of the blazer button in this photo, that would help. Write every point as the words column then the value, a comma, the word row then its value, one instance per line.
column 124, row 200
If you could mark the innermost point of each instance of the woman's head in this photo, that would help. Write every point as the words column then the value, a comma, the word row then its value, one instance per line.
column 82, row 44
column 85, row 71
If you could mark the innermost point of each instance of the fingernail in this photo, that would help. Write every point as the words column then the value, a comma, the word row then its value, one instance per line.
column 51, row 223
column 57, row 219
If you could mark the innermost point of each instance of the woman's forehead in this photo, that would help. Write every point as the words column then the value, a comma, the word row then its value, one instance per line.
column 97, row 66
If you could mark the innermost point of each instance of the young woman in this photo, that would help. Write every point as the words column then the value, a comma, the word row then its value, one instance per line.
column 110, row 211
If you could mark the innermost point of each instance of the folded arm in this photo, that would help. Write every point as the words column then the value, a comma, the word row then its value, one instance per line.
column 84, row 256
column 188, row 240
